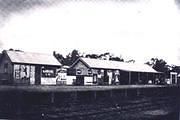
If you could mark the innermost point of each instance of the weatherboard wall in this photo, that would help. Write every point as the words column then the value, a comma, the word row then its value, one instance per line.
column 6, row 69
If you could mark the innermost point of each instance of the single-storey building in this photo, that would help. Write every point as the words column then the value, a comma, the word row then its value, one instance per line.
column 18, row 67
column 104, row 72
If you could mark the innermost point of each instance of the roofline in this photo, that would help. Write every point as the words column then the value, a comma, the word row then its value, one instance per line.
column 5, row 52
column 35, row 64
column 125, row 70
column 80, row 59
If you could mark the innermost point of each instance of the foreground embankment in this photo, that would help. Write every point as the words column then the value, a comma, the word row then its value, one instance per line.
column 127, row 102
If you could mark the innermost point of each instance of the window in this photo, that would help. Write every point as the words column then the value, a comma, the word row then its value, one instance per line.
column 17, row 74
column 78, row 71
column 89, row 71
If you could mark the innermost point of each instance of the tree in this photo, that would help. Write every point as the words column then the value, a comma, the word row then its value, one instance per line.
column 131, row 61
column 69, row 59
column 59, row 57
column 175, row 68
column 105, row 56
column 74, row 55
column 159, row 65
column 95, row 56
column 116, row 59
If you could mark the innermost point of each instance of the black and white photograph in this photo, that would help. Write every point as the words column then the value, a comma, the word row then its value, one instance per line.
column 89, row 59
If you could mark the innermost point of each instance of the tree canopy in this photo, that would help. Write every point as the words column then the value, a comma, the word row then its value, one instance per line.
column 159, row 65
column 69, row 59
column 75, row 54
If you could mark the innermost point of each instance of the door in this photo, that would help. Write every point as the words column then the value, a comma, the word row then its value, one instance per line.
column 106, row 78
column 37, row 75
column 79, row 80
column 173, row 79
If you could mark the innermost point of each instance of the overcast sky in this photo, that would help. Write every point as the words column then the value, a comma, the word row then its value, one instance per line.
column 135, row 29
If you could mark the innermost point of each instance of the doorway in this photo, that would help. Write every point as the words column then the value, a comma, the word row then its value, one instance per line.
column 37, row 75
column 79, row 80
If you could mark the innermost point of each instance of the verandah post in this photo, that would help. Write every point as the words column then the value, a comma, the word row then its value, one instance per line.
column 129, row 78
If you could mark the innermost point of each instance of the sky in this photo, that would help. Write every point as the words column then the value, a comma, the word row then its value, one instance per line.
column 133, row 29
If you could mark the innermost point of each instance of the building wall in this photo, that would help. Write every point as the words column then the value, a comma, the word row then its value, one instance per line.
column 88, row 80
column 97, row 76
column 106, row 76
column 6, row 69
column 48, row 81
column 24, row 74
column 48, row 75
column 81, row 69
column 5, row 60
column 80, row 65
column 70, row 80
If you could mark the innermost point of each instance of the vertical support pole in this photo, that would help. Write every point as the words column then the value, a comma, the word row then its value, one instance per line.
column 119, row 77
column 147, row 77
column 176, row 79
column 171, row 78
column 129, row 78
column 30, row 70
column 153, row 79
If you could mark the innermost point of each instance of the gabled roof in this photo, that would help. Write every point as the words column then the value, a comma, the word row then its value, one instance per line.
column 32, row 58
column 106, row 64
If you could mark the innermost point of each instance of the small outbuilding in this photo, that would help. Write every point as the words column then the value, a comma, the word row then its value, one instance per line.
column 65, row 77
column 104, row 72
column 18, row 67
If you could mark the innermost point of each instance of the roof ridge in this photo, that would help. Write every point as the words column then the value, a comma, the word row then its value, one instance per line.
column 29, row 52
column 98, row 63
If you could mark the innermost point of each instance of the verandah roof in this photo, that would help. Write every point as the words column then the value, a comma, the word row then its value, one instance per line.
column 106, row 64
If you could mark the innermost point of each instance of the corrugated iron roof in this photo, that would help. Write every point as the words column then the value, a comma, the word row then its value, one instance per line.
column 106, row 64
column 32, row 58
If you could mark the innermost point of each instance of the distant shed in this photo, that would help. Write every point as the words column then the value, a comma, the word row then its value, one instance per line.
column 105, row 72
column 18, row 67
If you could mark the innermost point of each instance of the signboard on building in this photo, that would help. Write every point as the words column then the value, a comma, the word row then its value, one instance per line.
column 48, row 72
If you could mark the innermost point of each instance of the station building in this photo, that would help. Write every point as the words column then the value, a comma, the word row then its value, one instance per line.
column 18, row 67
column 104, row 72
